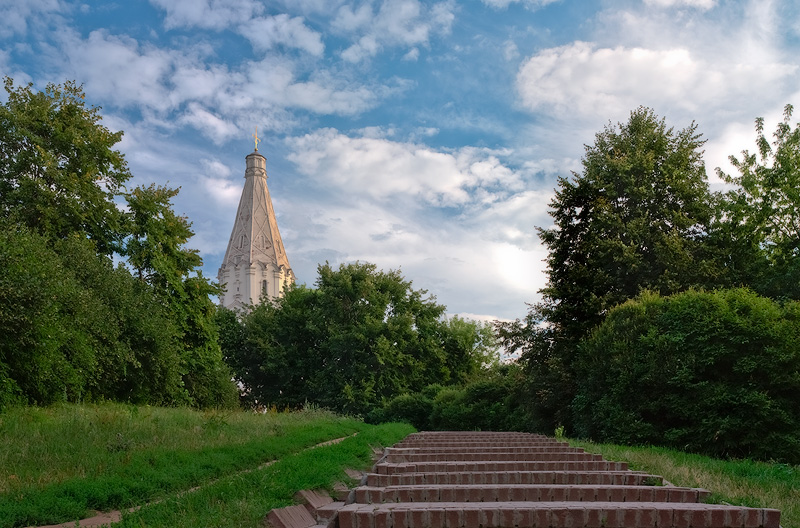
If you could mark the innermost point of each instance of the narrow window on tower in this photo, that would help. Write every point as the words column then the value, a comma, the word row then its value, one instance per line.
column 264, row 286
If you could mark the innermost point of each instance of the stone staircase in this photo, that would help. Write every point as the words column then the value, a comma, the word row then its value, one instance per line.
column 519, row 480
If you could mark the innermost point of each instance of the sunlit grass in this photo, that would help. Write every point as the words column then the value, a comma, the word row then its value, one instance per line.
column 62, row 462
column 243, row 500
column 737, row 482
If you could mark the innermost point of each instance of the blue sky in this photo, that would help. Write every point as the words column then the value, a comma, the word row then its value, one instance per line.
column 420, row 135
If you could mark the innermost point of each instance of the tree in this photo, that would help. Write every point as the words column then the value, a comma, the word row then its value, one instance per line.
column 761, row 216
column 156, row 250
column 58, row 171
column 634, row 219
column 74, row 326
column 361, row 337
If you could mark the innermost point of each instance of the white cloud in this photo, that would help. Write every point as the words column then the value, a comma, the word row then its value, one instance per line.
column 412, row 55
column 207, row 14
column 267, row 32
column 18, row 16
column 583, row 79
column 704, row 5
column 502, row 4
column 117, row 69
column 210, row 125
column 396, row 23
column 387, row 170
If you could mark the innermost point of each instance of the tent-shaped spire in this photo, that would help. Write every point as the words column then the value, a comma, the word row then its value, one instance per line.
column 255, row 263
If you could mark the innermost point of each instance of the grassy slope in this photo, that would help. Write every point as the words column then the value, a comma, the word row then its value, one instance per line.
column 739, row 482
column 59, row 463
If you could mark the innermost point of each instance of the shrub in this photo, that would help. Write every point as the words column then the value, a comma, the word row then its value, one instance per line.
column 716, row 373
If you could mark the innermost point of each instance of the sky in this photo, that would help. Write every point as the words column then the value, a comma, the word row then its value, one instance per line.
column 424, row 136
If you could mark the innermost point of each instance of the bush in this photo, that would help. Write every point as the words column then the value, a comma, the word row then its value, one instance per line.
column 715, row 373
column 410, row 408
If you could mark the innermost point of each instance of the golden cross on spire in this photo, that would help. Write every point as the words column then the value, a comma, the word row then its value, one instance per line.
column 256, row 137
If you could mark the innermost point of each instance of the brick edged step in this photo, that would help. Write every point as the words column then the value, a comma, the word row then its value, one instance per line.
column 529, row 493
column 553, row 515
column 618, row 478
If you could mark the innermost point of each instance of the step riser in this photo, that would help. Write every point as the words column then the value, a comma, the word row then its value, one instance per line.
column 494, row 457
column 548, row 515
column 494, row 449
column 459, row 467
column 522, row 477
column 530, row 494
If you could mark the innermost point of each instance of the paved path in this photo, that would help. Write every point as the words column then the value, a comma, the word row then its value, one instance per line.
column 518, row 480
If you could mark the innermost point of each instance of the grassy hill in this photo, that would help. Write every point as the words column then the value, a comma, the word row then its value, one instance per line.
column 63, row 463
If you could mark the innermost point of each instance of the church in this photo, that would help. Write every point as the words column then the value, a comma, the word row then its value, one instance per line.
column 255, row 266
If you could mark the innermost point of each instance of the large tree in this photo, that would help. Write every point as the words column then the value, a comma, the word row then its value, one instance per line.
column 633, row 219
column 72, row 325
column 760, row 224
column 58, row 171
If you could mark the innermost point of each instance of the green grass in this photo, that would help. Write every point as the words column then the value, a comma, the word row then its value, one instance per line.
column 245, row 499
column 58, row 464
column 737, row 482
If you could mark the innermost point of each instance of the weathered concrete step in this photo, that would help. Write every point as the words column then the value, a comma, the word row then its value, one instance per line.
column 554, row 514
column 460, row 467
column 529, row 493
column 481, row 445
column 611, row 478
column 498, row 456
column 481, row 434
column 560, row 448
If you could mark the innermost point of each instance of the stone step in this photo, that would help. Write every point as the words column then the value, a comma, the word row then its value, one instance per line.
column 455, row 445
column 491, row 466
column 498, row 456
column 528, row 492
column 553, row 514
column 561, row 448
column 615, row 478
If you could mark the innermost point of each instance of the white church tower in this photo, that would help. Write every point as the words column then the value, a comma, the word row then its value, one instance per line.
column 255, row 263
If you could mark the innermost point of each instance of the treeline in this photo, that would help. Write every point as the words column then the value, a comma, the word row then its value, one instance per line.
column 357, row 339
column 73, row 325
column 670, row 315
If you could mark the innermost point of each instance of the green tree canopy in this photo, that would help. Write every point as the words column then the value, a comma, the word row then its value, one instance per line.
column 761, row 216
column 73, row 326
column 632, row 220
column 58, row 171
column 362, row 336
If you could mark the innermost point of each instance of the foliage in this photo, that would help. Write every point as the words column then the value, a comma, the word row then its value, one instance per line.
column 715, row 373
column 362, row 336
column 493, row 401
column 630, row 221
column 761, row 216
column 76, row 327
column 58, row 172
column 73, row 327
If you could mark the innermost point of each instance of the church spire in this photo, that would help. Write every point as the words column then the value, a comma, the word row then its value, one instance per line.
column 255, row 263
